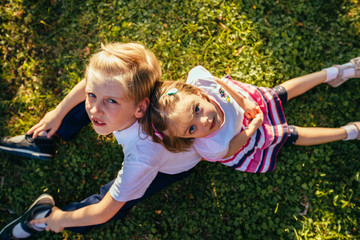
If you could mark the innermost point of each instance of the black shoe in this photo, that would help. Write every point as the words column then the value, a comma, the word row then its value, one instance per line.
column 43, row 203
column 24, row 145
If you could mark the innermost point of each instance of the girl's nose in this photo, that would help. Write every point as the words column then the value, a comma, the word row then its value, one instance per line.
column 204, row 120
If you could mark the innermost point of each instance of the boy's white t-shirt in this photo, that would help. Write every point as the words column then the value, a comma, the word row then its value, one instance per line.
column 143, row 159
column 215, row 146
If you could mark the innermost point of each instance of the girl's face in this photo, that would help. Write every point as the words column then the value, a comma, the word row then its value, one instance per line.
column 107, row 106
column 200, row 117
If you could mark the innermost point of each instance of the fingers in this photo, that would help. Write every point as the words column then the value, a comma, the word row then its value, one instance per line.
column 37, row 129
column 248, row 116
column 39, row 221
column 33, row 128
column 50, row 133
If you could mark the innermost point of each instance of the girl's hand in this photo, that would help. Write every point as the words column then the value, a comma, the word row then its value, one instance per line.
column 257, row 120
column 250, row 109
column 51, row 121
column 53, row 221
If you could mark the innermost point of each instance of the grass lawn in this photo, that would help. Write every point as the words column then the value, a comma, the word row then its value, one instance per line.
column 45, row 46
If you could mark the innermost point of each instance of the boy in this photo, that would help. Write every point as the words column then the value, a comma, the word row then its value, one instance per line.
column 118, row 82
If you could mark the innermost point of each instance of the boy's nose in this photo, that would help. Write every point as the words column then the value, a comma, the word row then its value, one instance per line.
column 96, row 109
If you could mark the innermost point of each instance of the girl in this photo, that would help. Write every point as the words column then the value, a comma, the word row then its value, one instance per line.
column 237, row 124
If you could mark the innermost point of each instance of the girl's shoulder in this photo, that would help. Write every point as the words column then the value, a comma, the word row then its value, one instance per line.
column 198, row 73
column 203, row 79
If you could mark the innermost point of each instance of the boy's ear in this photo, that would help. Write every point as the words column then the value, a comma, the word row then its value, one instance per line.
column 142, row 108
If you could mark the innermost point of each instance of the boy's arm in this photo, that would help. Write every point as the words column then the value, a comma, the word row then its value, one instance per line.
column 239, row 140
column 52, row 120
column 246, row 104
column 90, row 215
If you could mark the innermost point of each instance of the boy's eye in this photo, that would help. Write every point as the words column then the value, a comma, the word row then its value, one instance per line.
column 111, row 101
column 192, row 129
column 197, row 109
column 91, row 95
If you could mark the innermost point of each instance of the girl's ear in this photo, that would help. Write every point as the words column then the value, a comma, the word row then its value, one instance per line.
column 198, row 93
column 202, row 95
column 142, row 108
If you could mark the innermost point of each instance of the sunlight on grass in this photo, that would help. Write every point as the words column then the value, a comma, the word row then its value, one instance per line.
column 44, row 49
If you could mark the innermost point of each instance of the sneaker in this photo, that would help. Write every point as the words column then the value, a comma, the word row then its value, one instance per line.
column 44, row 203
column 355, row 63
column 24, row 145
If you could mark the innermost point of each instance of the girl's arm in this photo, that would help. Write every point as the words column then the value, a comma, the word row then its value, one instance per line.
column 52, row 120
column 246, row 104
column 239, row 140
column 90, row 215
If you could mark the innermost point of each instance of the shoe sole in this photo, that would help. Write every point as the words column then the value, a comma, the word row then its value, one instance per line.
column 27, row 153
column 18, row 220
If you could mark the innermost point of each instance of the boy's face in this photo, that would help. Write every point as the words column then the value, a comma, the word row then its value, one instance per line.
column 108, row 108
column 199, row 117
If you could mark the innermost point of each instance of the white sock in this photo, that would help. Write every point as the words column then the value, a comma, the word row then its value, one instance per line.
column 352, row 132
column 43, row 133
column 332, row 72
column 18, row 231
column 41, row 226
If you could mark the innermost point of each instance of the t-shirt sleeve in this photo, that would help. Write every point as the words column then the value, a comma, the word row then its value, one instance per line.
column 132, row 181
column 197, row 73
column 209, row 150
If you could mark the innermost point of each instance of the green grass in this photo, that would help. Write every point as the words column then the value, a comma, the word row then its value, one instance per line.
column 44, row 49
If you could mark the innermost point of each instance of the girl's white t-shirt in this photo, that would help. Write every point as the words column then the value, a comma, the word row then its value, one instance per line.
column 143, row 159
column 215, row 146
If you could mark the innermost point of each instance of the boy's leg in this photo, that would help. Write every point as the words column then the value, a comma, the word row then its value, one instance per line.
column 314, row 136
column 161, row 181
column 20, row 227
column 334, row 76
column 73, row 122
column 42, row 147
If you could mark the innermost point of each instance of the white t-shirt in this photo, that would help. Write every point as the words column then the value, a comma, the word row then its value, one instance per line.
column 143, row 159
column 215, row 146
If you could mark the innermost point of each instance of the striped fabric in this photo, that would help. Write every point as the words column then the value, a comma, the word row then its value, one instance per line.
column 259, row 154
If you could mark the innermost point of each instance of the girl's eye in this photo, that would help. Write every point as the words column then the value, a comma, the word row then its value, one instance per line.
column 197, row 109
column 91, row 95
column 192, row 129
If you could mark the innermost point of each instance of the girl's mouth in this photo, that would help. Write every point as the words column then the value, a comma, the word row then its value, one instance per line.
column 212, row 123
column 97, row 122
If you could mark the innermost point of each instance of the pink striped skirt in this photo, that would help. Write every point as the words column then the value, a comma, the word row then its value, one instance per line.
column 259, row 154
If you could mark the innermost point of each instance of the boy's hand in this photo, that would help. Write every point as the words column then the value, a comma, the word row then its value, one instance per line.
column 250, row 109
column 53, row 221
column 51, row 121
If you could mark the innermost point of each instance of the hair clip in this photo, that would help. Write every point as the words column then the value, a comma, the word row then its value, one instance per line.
column 156, row 132
column 171, row 91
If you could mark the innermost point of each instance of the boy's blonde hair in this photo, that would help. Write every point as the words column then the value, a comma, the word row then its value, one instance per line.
column 130, row 64
column 165, row 109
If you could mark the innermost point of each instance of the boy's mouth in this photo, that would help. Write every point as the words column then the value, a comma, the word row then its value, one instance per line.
column 97, row 122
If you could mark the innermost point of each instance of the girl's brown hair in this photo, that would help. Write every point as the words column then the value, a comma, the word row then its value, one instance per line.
column 164, row 109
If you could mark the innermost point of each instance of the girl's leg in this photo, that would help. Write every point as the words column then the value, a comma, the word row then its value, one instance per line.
column 334, row 76
column 300, row 85
column 314, row 136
